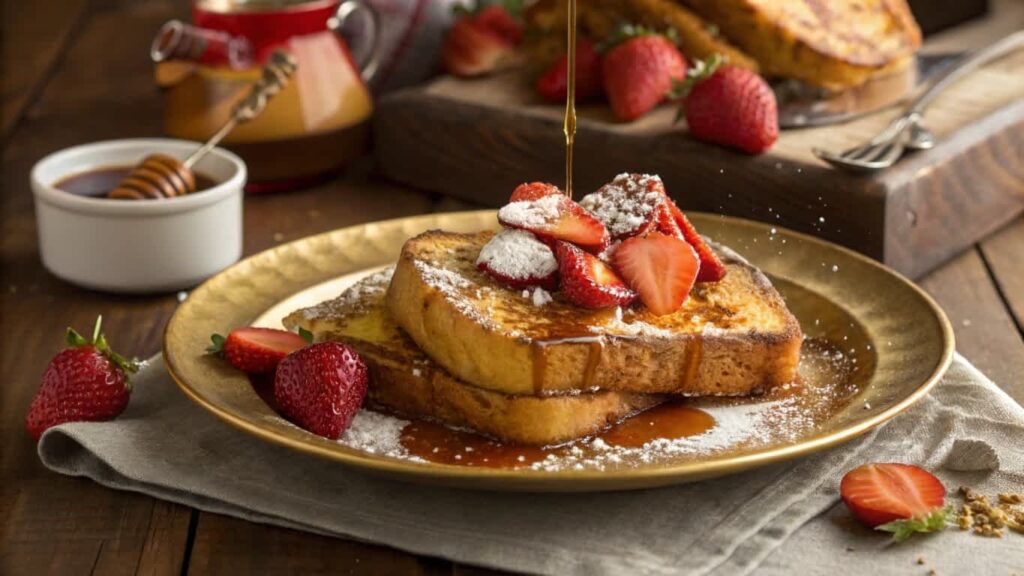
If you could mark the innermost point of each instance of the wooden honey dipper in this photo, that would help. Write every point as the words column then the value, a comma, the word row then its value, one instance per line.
column 163, row 176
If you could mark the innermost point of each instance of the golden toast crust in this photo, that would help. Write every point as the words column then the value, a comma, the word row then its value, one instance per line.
column 734, row 337
column 405, row 382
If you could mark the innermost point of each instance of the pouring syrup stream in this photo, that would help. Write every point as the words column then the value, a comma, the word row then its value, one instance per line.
column 569, row 125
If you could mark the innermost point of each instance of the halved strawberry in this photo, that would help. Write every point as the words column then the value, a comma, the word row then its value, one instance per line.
column 471, row 50
column 533, row 191
column 257, row 350
column 711, row 267
column 518, row 259
column 881, row 493
column 627, row 205
column 588, row 282
column 661, row 268
column 556, row 217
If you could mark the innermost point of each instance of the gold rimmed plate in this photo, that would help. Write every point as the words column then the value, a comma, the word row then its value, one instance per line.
column 876, row 344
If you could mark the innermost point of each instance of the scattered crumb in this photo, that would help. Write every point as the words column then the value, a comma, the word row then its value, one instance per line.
column 985, row 519
column 278, row 236
column 920, row 560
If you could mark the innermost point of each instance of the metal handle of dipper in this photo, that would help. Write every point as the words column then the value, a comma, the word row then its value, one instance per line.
column 163, row 176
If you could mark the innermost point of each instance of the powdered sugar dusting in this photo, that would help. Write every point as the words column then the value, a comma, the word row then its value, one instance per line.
column 518, row 255
column 531, row 213
column 541, row 296
column 362, row 291
column 376, row 433
column 626, row 203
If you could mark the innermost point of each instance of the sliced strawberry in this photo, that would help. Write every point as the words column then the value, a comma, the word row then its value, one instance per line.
column 533, row 191
column 588, row 282
column 627, row 205
column 881, row 493
column 711, row 267
column 256, row 350
column 556, row 217
column 518, row 259
column 471, row 50
column 661, row 268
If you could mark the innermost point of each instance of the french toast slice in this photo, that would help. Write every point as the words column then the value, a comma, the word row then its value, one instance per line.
column 404, row 381
column 835, row 45
column 733, row 337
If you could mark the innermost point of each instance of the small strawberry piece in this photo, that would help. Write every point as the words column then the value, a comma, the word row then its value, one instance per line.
column 711, row 267
column 256, row 350
column 534, row 191
column 85, row 382
column 733, row 107
column 496, row 19
column 628, row 205
column 588, row 282
column 661, row 268
column 553, row 84
column 518, row 259
column 881, row 493
column 556, row 217
column 639, row 72
column 471, row 50
column 321, row 387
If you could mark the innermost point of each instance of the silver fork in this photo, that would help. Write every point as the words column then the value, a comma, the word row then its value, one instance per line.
column 908, row 131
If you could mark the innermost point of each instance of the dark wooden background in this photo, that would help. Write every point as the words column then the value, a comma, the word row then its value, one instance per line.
column 76, row 71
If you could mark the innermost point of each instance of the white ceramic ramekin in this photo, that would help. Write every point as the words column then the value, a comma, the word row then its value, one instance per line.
column 138, row 246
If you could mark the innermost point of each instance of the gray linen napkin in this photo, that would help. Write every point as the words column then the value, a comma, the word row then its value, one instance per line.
column 775, row 519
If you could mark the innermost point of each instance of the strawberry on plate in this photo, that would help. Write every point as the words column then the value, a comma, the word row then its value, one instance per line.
column 87, row 381
column 638, row 71
column 553, row 84
column 660, row 268
column 321, row 387
column 533, row 191
column 730, row 106
column 588, row 282
column 518, row 259
column 628, row 205
column 556, row 217
column 257, row 350
column 898, row 498
column 481, row 42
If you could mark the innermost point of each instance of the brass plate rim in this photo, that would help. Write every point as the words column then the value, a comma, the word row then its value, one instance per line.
column 568, row 480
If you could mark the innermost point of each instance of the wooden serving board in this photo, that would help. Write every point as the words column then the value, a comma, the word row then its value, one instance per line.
column 477, row 139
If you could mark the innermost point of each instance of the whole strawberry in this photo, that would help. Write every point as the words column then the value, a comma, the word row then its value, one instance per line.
column 321, row 387
column 85, row 382
column 553, row 84
column 639, row 70
column 731, row 106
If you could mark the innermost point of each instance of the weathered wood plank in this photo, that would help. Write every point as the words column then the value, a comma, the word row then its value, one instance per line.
column 1004, row 254
column 34, row 36
column 985, row 333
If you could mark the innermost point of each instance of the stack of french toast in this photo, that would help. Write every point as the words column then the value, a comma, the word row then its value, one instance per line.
column 571, row 318
column 833, row 45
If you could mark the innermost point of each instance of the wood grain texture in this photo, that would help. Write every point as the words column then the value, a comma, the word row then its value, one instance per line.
column 477, row 139
column 1004, row 254
column 984, row 330
column 34, row 36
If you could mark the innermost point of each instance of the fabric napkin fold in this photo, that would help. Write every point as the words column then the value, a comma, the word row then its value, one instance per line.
column 776, row 519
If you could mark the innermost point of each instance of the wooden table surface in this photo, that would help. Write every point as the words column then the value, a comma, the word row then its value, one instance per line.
column 76, row 71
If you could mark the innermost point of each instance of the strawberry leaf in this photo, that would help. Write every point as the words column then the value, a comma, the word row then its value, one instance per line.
column 74, row 339
column 700, row 71
column 622, row 33
column 217, row 346
column 306, row 335
column 935, row 521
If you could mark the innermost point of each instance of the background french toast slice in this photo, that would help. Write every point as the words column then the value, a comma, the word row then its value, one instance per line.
column 404, row 381
column 597, row 19
column 733, row 337
column 834, row 44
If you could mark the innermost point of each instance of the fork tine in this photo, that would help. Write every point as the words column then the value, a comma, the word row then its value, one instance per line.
column 882, row 153
column 860, row 152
